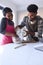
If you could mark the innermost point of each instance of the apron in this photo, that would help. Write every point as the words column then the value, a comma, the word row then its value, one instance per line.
column 8, row 39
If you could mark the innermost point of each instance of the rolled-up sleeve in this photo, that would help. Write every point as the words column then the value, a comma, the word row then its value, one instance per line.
column 3, row 26
column 40, row 28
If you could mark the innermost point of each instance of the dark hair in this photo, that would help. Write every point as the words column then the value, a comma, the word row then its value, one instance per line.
column 6, row 10
column 32, row 8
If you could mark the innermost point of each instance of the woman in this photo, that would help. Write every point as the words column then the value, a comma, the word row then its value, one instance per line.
column 7, row 27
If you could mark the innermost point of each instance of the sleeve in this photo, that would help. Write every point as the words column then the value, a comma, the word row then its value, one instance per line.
column 23, row 22
column 3, row 26
column 40, row 28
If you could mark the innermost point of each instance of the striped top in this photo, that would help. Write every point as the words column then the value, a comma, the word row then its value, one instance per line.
column 37, row 26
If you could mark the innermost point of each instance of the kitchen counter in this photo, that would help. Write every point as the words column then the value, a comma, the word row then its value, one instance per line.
column 18, row 54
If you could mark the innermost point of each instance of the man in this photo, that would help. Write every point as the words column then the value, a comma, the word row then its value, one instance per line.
column 33, row 23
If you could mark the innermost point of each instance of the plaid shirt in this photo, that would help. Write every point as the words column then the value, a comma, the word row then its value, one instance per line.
column 37, row 27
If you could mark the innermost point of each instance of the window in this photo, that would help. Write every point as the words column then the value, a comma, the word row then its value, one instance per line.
column 1, row 15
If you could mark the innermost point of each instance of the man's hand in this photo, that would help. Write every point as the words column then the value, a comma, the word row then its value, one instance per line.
column 28, row 32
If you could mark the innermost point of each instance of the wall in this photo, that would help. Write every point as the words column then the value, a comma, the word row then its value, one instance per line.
column 40, row 12
column 23, row 13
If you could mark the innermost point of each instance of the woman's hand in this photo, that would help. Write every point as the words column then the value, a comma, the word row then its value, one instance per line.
column 16, row 27
column 17, row 39
column 19, row 26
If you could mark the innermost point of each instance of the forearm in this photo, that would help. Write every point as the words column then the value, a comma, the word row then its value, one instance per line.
column 31, row 33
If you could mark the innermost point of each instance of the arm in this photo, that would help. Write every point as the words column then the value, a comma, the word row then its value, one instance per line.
column 3, row 25
column 40, row 28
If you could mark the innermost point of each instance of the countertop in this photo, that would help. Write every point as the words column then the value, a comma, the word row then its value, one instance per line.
column 10, row 54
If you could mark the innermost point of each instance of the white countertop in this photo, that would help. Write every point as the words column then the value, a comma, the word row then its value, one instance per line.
column 25, row 55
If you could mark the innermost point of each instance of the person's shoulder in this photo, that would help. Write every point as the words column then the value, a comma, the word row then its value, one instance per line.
column 39, row 17
column 3, row 19
column 26, row 17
